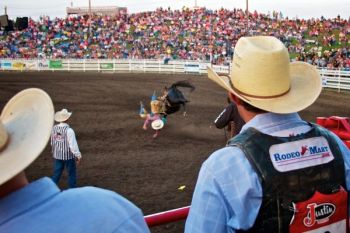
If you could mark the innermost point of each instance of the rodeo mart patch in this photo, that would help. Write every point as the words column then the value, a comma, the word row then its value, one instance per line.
column 300, row 154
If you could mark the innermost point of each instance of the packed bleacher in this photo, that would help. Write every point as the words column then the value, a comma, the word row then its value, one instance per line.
column 199, row 34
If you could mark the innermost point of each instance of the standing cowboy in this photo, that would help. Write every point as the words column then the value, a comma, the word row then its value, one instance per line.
column 280, row 174
column 65, row 148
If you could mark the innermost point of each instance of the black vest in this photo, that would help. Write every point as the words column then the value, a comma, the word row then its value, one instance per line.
column 280, row 189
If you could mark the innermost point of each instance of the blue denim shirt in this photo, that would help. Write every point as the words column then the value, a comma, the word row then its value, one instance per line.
column 40, row 207
column 228, row 193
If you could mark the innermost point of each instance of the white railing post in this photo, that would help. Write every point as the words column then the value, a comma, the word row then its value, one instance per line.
column 338, row 80
column 84, row 66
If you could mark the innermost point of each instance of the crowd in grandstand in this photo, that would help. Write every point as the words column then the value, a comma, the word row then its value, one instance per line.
column 199, row 34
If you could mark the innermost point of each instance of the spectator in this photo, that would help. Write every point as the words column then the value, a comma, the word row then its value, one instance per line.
column 199, row 34
column 65, row 149
column 40, row 207
column 268, row 178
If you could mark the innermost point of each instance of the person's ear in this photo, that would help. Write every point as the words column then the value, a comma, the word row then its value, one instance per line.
column 234, row 99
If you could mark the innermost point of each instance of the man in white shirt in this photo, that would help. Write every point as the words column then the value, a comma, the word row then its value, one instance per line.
column 65, row 148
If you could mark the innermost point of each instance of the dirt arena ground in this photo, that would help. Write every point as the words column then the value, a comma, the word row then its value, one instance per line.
column 118, row 154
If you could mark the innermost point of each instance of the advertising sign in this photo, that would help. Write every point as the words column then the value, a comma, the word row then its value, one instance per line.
column 106, row 66
column 55, row 64
column 31, row 65
column 43, row 64
column 18, row 65
column 6, row 65
column 193, row 68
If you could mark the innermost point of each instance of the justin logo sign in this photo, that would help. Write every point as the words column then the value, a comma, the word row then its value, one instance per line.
column 321, row 213
column 318, row 213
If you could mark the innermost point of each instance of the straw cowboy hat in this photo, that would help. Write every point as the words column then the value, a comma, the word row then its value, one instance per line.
column 263, row 76
column 62, row 115
column 157, row 124
column 25, row 127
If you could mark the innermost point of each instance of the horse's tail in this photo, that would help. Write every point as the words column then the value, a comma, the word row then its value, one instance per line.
column 186, row 84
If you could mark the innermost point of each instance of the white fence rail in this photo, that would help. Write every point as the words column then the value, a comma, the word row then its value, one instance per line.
column 105, row 65
column 336, row 79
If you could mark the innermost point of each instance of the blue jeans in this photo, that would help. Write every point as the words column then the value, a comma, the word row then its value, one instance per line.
column 71, row 168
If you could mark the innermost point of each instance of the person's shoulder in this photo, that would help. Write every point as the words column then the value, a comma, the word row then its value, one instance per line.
column 99, row 197
column 226, row 155
column 97, row 207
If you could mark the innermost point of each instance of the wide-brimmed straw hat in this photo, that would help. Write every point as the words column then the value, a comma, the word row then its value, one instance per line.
column 62, row 115
column 25, row 126
column 157, row 124
column 263, row 76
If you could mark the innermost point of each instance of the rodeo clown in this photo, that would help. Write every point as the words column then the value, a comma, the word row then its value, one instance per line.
column 279, row 174
column 157, row 117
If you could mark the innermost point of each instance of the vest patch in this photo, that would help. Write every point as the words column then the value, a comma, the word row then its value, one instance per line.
column 321, row 213
column 300, row 154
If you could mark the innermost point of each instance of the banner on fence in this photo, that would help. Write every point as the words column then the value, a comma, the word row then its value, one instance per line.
column 31, row 65
column 193, row 68
column 106, row 66
column 43, row 64
column 18, row 66
column 221, row 69
column 55, row 64
column 6, row 65
column 137, row 67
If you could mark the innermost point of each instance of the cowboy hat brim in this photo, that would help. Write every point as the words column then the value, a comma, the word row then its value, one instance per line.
column 59, row 117
column 305, row 87
column 28, row 120
column 157, row 124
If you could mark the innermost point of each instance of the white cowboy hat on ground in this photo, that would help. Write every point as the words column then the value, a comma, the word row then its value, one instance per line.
column 25, row 126
column 263, row 76
column 62, row 115
column 157, row 124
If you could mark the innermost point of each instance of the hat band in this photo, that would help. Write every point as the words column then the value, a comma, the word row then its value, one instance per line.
column 257, row 96
column 4, row 137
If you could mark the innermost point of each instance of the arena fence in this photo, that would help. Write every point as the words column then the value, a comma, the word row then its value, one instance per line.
column 336, row 79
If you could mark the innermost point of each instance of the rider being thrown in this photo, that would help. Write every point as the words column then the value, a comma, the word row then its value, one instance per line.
column 171, row 101
column 157, row 116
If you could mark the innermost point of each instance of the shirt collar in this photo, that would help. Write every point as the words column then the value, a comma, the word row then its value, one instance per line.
column 27, row 197
column 268, row 122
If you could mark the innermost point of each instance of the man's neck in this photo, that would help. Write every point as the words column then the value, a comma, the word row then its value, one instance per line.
column 245, row 114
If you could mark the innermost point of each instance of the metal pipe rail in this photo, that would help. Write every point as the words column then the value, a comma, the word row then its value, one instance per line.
column 167, row 216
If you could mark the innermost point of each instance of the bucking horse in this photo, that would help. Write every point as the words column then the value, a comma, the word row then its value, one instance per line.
column 174, row 98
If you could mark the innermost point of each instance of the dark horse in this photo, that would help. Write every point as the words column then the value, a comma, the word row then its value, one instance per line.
column 175, row 98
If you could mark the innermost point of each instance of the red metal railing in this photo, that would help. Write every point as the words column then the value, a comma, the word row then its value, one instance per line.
column 167, row 216
column 338, row 125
